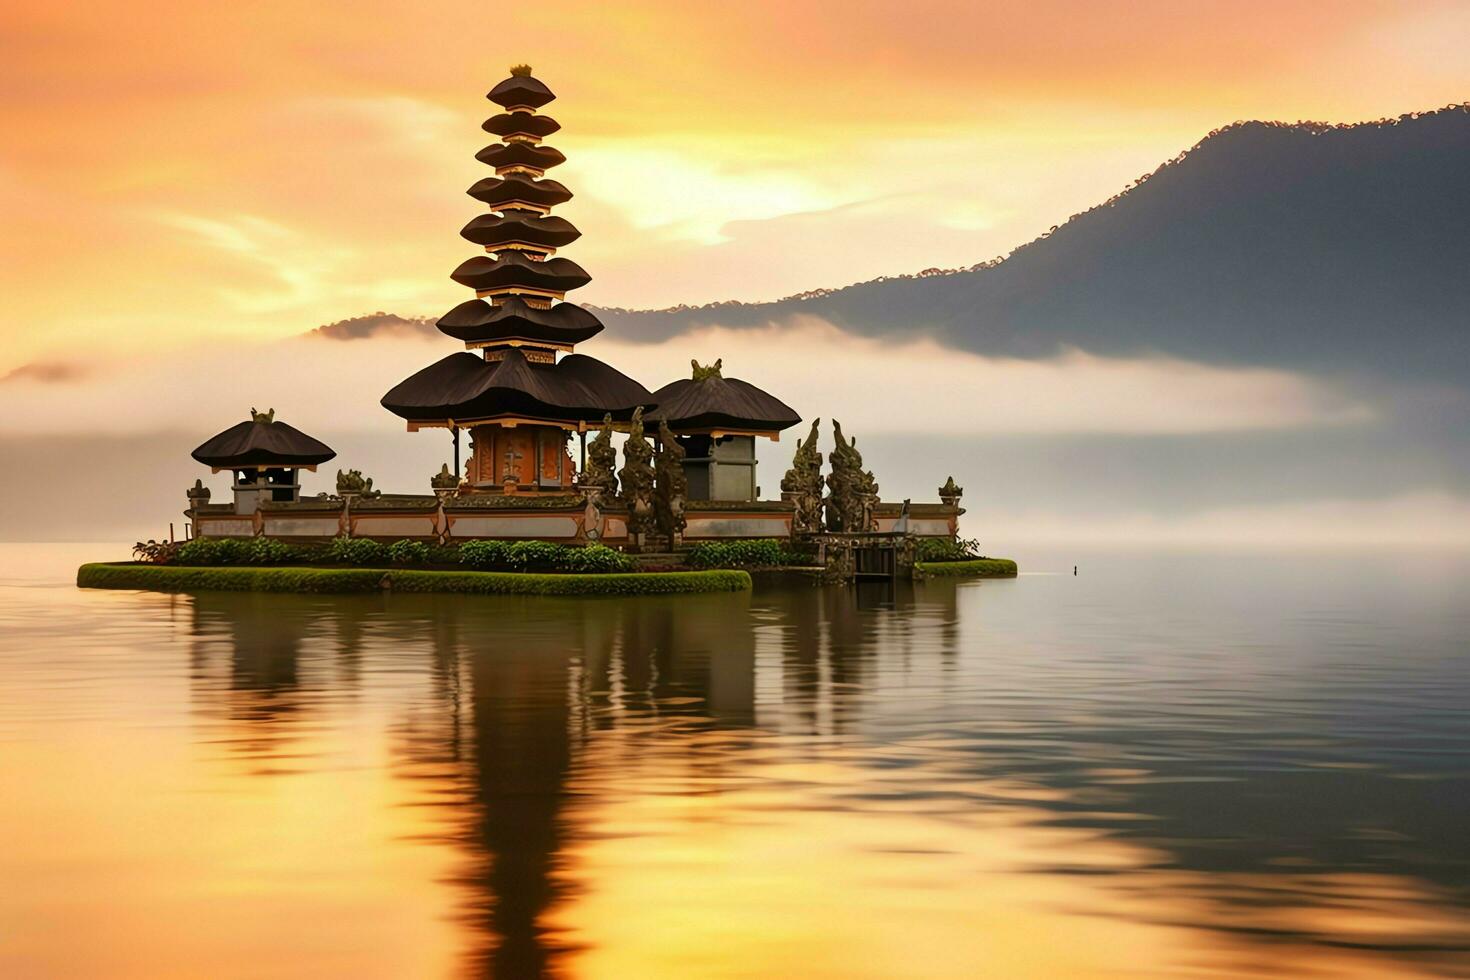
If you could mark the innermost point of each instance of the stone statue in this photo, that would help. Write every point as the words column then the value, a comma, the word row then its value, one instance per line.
column 594, row 521
column 802, row 484
column 852, row 490
column 602, row 459
column 198, row 494
column 353, row 484
column 637, row 479
column 950, row 493
column 444, row 483
column 671, row 487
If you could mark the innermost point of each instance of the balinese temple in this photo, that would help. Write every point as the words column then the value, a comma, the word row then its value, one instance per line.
column 523, row 389
column 518, row 386
column 265, row 458
column 716, row 421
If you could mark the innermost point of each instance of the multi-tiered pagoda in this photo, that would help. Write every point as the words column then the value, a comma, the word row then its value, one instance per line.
column 524, row 392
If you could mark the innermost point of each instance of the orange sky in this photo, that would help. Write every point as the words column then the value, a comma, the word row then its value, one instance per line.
column 176, row 170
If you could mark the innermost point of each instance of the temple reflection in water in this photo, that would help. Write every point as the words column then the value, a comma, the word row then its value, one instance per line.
column 582, row 755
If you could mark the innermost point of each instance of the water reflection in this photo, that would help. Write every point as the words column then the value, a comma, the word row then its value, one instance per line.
column 914, row 781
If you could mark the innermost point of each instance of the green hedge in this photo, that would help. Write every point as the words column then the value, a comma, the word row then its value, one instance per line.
column 946, row 549
column 543, row 556
column 742, row 553
column 978, row 567
column 175, row 578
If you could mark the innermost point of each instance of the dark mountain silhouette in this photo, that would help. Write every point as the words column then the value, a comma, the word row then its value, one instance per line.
column 1340, row 248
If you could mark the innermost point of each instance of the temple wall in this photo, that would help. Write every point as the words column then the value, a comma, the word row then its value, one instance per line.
column 524, row 516
column 225, row 527
column 722, row 524
column 930, row 527
column 514, row 525
column 316, row 526
column 396, row 526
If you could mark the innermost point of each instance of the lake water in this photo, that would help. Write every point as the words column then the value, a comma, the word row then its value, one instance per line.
column 1166, row 766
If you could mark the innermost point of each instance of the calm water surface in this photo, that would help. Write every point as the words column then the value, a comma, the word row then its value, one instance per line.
column 1167, row 766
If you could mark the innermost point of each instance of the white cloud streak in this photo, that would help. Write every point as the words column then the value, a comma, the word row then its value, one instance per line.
column 871, row 385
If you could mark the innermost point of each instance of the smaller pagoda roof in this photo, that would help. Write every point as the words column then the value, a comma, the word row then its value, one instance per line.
column 261, row 441
column 478, row 322
column 500, row 192
column 710, row 402
column 531, row 155
column 520, row 89
column 520, row 228
column 521, row 124
column 512, row 268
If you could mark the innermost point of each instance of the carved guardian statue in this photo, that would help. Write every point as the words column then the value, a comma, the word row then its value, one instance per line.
column 671, row 487
column 637, row 480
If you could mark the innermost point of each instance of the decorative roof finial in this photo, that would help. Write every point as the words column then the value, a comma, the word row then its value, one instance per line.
column 265, row 418
column 520, row 71
column 703, row 372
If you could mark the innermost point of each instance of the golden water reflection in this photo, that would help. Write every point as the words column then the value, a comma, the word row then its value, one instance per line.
column 817, row 783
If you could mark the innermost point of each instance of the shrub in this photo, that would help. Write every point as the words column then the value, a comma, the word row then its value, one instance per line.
column 539, row 555
column 544, row 556
column 214, row 551
column 947, row 549
column 444, row 555
column 408, row 552
column 157, row 552
column 269, row 551
column 239, row 551
column 735, row 554
column 355, row 551
column 596, row 558
column 485, row 554
column 976, row 567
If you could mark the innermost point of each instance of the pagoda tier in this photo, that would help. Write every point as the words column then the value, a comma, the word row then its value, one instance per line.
column 529, row 126
column 518, row 190
column 520, row 229
column 515, row 272
column 468, row 390
column 513, row 320
column 526, row 156
column 521, row 92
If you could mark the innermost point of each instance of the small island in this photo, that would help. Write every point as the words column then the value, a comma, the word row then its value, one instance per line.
column 519, row 514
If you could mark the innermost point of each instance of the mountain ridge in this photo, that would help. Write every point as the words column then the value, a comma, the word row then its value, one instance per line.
column 1329, row 247
column 1297, row 244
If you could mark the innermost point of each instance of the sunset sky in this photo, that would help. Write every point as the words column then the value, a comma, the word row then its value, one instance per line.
column 176, row 172
column 189, row 188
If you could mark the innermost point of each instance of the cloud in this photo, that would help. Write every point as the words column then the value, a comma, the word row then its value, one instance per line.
column 872, row 385
column 47, row 372
column 377, row 324
column 918, row 385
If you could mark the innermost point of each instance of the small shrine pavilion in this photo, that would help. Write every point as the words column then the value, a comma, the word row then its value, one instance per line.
column 716, row 421
column 518, row 387
column 265, row 457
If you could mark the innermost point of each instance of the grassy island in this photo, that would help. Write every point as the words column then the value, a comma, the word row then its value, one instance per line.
column 972, row 568
column 181, row 578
